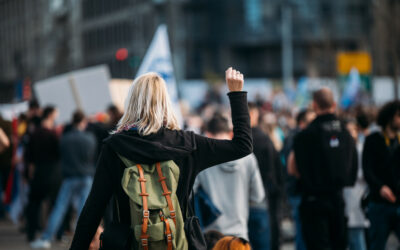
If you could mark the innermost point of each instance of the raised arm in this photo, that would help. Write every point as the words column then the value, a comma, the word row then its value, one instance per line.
column 211, row 152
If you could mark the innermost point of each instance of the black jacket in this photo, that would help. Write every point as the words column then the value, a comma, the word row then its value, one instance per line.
column 78, row 149
column 381, row 166
column 268, row 162
column 326, row 156
column 292, row 183
column 192, row 153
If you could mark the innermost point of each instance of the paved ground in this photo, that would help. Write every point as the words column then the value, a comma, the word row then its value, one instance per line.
column 12, row 239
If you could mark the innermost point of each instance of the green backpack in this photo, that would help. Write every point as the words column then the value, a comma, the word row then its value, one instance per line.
column 156, row 217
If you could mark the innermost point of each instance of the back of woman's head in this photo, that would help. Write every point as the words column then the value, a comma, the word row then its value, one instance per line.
column 232, row 243
column 148, row 106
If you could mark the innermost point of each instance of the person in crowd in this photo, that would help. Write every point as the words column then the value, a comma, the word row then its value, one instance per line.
column 325, row 161
column 33, row 114
column 114, row 116
column 231, row 186
column 44, row 172
column 232, row 243
column 212, row 237
column 33, row 121
column 303, row 119
column 149, row 121
column 275, row 133
column 263, row 148
column 357, row 223
column 5, row 150
column 99, row 130
column 77, row 149
column 5, row 158
column 4, row 141
column 381, row 165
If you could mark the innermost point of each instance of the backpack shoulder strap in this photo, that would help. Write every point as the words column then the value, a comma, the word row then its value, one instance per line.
column 167, row 193
column 144, row 237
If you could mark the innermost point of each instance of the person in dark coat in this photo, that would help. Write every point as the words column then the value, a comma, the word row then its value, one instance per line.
column 148, row 132
column 263, row 221
column 381, row 165
column 6, row 155
column 303, row 119
column 44, row 171
column 325, row 161
column 78, row 149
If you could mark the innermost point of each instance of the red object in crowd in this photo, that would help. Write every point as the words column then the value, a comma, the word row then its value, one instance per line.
column 101, row 117
column 27, row 90
column 121, row 54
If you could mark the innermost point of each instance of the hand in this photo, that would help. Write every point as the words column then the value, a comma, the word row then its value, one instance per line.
column 95, row 244
column 387, row 193
column 234, row 79
column 291, row 166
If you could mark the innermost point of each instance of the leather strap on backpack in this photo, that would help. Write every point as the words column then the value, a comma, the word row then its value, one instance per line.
column 168, row 232
column 166, row 193
column 144, row 237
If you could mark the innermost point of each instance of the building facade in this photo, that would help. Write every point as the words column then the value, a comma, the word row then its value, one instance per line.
column 43, row 38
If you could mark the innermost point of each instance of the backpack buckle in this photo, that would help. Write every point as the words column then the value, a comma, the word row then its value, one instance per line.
column 169, row 237
column 146, row 213
column 144, row 242
column 172, row 214
column 162, row 217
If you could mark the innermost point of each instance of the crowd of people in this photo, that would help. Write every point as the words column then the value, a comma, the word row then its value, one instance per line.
column 50, row 168
column 335, row 173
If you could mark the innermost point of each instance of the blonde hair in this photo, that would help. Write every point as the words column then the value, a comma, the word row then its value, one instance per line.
column 148, row 106
column 232, row 242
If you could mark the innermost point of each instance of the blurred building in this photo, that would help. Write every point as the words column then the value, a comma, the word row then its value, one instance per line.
column 248, row 33
column 43, row 38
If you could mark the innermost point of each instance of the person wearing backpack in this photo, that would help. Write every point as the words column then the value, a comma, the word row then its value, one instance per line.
column 381, row 165
column 149, row 166
column 325, row 161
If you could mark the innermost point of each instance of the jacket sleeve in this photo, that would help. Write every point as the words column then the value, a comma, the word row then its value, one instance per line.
column 96, row 203
column 212, row 152
column 369, row 163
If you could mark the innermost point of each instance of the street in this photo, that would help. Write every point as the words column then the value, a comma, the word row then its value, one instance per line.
column 12, row 239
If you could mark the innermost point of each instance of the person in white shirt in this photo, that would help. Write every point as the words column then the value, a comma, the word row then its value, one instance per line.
column 231, row 186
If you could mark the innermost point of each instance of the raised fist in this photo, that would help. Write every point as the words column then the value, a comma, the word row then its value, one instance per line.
column 234, row 79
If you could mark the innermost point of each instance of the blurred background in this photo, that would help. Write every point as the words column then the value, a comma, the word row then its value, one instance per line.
column 281, row 41
column 84, row 54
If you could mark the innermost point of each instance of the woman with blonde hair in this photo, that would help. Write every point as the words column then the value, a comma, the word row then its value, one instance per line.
column 232, row 243
column 147, row 133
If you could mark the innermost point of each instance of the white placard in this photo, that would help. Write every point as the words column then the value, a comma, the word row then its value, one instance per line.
column 85, row 89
